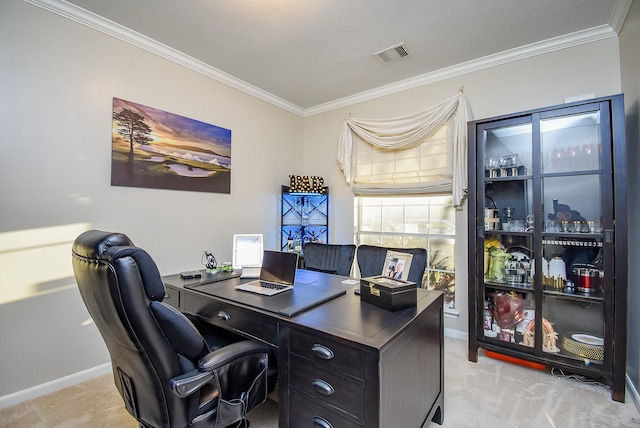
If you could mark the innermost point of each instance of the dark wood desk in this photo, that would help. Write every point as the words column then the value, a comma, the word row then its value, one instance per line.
column 345, row 363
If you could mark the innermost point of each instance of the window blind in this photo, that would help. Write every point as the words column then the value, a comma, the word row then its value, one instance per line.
column 420, row 153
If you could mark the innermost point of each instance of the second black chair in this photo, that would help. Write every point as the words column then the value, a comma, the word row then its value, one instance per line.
column 371, row 261
column 329, row 258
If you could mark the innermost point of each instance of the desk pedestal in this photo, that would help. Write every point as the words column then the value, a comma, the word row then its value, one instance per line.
column 345, row 363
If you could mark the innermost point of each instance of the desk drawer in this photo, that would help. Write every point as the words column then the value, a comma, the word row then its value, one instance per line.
column 327, row 387
column 232, row 317
column 327, row 354
column 307, row 414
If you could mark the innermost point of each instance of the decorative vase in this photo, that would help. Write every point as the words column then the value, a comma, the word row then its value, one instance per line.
column 497, row 266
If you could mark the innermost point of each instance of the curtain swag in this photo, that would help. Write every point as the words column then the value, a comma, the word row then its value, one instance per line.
column 409, row 131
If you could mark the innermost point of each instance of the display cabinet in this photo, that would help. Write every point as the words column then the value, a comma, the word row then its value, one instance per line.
column 548, row 238
column 305, row 218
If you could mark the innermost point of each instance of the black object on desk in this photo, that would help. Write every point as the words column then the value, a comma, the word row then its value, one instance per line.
column 207, row 277
column 388, row 293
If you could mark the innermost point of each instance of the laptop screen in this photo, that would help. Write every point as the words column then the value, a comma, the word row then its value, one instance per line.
column 279, row 266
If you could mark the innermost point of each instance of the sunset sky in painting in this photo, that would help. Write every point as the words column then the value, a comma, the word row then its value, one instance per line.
column 171, row 128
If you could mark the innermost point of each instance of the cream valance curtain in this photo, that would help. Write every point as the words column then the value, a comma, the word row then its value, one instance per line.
column 406, row 133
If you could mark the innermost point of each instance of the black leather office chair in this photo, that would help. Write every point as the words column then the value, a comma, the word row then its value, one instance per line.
column 371, row 260
column 165, row 371
column 329, row 258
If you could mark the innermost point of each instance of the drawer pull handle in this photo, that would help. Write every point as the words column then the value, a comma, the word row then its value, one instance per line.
column 321, row 422
column 323, row 387
column 224, row 316
column 321, row 351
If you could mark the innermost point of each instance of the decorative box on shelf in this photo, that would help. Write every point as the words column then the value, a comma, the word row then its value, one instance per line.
column 388, row 293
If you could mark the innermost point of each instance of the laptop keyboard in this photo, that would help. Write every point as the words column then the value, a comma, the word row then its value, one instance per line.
column 272, row 285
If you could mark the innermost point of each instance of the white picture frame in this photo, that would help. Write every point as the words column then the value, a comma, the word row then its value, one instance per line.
column 397, row 265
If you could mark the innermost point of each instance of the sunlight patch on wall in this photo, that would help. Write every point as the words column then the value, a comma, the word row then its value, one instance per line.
column 34, row 262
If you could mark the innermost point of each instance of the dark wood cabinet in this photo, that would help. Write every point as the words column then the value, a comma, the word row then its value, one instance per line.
column 548, row 238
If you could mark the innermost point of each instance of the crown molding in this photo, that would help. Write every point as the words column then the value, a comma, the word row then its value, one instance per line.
column 120, row 32
column 522, row 52
column 127, row 35
column 618, row 14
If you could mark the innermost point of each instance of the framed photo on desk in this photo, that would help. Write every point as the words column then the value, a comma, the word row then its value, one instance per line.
column 397, row 265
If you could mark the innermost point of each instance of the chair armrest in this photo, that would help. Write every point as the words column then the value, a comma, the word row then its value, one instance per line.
column 188, row 383
column 224, row 356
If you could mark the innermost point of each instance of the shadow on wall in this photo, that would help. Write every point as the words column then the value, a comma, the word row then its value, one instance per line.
column 45, row 329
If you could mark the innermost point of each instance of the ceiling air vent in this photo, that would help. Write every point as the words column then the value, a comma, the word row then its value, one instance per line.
column 394, row 53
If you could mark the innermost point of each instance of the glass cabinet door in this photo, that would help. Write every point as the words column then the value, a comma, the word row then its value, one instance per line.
column 573, row 261
column 507, row 188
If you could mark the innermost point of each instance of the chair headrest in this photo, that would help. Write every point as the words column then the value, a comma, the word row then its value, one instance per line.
column 110, row 247
column 93, row 244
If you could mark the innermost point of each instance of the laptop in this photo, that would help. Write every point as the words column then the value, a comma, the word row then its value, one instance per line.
column 277, row 274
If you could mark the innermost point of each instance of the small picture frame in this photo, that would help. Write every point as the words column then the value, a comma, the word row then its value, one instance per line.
column 397, row 265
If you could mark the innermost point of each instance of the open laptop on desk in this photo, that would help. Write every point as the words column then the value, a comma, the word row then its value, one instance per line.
column 277, row 274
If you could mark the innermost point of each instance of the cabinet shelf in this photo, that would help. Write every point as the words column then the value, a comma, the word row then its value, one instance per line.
column 526, row 288
column 573, row 239
column 562, row 361
column 575, row 295
column 564, row 175
column 572, row 173
column 516, row 178
column 506, row 233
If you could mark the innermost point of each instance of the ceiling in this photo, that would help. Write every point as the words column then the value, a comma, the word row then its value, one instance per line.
column 309, row 55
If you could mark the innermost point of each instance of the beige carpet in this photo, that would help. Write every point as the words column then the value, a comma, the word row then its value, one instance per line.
column 492, row 393
column 488, row 393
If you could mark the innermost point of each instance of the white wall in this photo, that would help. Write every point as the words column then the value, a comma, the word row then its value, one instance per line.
column 526, row 84
column 57, row 81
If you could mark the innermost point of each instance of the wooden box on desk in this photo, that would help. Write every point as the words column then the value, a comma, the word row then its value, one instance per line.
column 388, row 293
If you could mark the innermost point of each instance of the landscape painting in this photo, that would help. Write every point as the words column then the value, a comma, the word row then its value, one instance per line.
column 155, row 149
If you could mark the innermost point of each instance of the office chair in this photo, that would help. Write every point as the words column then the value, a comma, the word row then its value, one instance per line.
column 371, row 260
column 329, row 258
column 165, row 371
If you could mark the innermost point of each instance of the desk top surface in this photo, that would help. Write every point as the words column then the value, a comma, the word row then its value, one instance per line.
column 345, row 316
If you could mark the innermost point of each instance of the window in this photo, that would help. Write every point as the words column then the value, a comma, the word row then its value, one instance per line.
column 413, row 221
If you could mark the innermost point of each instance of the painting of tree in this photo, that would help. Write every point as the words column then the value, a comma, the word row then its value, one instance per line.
column 155, row 149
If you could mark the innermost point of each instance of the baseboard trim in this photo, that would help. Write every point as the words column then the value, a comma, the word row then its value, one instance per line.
column 633, row 391
column 53, row 386
column 456, row 334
